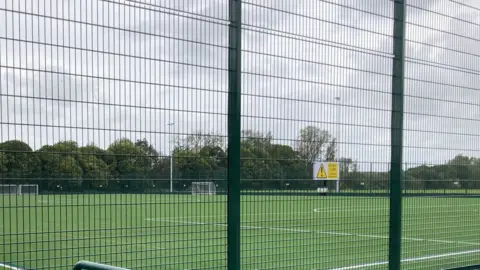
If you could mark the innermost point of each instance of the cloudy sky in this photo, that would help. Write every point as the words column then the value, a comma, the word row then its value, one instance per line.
column 96, row 71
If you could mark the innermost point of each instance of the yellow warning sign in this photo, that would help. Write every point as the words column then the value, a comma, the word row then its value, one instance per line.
column 321, row 172
column 332, row 171
column 326, row 171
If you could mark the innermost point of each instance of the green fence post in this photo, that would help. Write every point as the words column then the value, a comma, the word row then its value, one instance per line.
column 234, row 129
column 396, row 175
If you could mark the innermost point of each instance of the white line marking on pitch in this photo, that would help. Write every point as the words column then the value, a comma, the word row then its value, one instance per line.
column 317, row 232
column 135, row 244
column 320, row 210
column 9, row 266
column 416, row 259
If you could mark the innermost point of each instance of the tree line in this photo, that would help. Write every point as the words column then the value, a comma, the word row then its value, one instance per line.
column 265, row 164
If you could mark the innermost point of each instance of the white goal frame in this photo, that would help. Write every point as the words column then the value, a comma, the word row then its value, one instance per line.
column 20, row 191
column 204, row 188
column 9, row 185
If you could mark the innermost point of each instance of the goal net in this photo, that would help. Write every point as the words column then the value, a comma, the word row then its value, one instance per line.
column 28, row 189
column 203, row 188
column 8, row 189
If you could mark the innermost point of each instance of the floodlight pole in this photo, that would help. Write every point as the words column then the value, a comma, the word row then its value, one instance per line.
column 337, row 135
column 171, row 154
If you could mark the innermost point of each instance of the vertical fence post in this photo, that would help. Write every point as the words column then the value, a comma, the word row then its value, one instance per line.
column 234, row 129
column 396, row 175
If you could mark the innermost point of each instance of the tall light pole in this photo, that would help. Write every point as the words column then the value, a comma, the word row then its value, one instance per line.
column 170, row 125
column 337, row 128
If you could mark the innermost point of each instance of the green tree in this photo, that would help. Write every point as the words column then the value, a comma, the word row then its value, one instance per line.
column 147, row 147
column 3, row 168
column 92, row 167
column 347, row 166
column 463, row 166
column 60, row 172
column 461, row 160
column 19, row 162
column 217, row 157
column 196, row 141
column 312, row 143
column 258, row 168
column 67, row 171
column 199, row 155
column 331, row 150
column 159, row 166
column 69, row 148
column 91, row 149
column 191, row 166
column 60, row 168
column 294, row 169
column 251, row 138
column 149, row 151
column 474, row 174
column 284, row 154
column 247, row 164
column 95, row 172
column 160, row 173
column 131, row 164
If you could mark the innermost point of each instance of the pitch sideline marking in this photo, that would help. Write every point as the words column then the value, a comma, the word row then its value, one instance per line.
column 319, row 210
column 153, row 247
column 318, row 232
column 316, row 210
column 415, row 259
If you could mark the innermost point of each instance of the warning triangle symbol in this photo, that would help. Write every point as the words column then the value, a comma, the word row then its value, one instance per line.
column 321, row 172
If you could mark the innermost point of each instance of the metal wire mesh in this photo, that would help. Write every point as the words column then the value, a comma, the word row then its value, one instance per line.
column 305, row 100
column 100, row 100
column 119, row 120
column 441, row 149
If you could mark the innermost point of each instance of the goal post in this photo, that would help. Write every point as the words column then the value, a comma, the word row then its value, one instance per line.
column 203, row 188
column 11, row 189
column 8, row 189
column 28, row 189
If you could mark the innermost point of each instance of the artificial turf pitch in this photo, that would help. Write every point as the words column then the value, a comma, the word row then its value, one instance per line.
column 277, row 232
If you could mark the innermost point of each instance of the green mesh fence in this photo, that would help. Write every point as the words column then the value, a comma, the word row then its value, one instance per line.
column 441, row 149
column 174, row 134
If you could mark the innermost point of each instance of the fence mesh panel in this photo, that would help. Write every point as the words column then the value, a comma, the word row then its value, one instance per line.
column 113, row 111
column 100, row 99
column 311, row 93
column 441, row 135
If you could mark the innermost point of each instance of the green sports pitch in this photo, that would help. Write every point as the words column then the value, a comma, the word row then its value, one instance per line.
column 277, row 231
